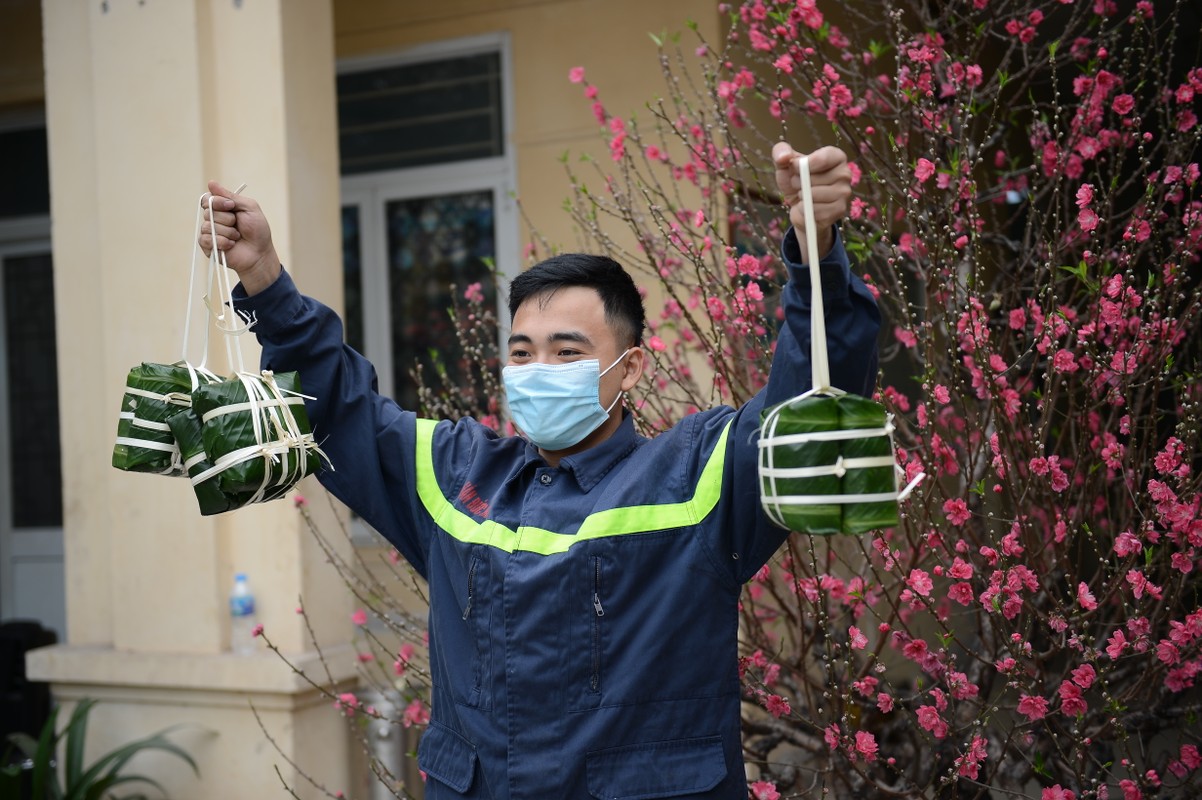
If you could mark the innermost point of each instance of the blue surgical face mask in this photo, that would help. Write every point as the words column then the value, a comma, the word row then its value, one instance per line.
column 557, row 405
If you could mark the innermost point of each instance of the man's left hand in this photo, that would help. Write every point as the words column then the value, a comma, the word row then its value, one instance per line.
column 830, row 181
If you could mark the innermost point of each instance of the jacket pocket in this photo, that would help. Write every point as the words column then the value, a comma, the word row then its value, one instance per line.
column 656, row 769
column 588, row 606
column 447, row 757
column 598, row 613
column 471, row 677
column 476, row 627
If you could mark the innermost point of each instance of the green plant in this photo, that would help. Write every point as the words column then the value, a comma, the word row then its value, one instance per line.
column 76, row 781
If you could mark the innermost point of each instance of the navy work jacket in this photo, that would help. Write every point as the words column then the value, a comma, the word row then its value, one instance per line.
column 583, row 618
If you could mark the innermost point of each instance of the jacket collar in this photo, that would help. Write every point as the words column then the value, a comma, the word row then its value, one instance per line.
column 589, row 466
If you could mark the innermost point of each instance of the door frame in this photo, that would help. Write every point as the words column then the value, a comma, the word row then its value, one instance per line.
column 21, row 236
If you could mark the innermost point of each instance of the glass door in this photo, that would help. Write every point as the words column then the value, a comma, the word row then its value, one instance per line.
column 31, row 508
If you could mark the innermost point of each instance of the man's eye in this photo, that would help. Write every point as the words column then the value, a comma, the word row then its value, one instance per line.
column 567, row 352
column 518, row 354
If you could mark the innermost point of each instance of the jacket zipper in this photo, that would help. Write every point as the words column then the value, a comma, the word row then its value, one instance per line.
column 598, row 611
column 471, row 578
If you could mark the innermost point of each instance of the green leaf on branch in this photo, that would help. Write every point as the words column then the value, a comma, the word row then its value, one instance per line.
column 659, row 40
column 1081, row 272
column 856, row 249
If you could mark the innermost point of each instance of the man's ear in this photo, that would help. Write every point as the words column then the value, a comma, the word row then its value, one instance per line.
column 633, row 371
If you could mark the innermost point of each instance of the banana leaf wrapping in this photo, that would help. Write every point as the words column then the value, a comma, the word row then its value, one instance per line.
column 256, row 433
column 821, row 456
column 186, row 429
column 153, row 394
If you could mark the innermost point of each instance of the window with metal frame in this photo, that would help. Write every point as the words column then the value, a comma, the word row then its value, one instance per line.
column 427, row 211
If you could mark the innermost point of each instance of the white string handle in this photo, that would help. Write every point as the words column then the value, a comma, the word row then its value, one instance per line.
column 204, row 357
column 819, row 364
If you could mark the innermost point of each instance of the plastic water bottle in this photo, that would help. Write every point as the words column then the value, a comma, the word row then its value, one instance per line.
column 242, row 616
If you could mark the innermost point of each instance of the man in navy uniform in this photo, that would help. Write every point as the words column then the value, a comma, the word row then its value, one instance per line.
column 584, row 580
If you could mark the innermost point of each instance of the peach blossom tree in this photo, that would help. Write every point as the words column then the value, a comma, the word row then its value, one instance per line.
column 1027, row 211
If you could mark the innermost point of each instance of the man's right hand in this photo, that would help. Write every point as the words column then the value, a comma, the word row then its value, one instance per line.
column 241, row 232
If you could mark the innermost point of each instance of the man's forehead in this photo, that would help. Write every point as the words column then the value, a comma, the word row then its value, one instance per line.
column 580, row 304
column 573, row 313
column 561, row 295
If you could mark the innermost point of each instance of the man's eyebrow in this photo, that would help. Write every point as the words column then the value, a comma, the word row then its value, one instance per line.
column 562, row 336
column 570, row 336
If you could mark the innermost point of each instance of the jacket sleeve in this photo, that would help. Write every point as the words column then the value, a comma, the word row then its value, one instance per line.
column 369, row 439
column 852, row 324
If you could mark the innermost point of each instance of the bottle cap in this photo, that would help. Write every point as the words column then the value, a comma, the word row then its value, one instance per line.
column 239, row 576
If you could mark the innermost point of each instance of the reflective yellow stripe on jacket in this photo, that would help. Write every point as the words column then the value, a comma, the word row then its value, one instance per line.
column 611, row 522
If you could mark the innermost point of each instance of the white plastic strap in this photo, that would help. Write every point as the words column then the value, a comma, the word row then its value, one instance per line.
column 252, row 406
column 166, row 447
column 835, row 499
column 831, row 499
column 174, row 398
column 840, row 468
column 825, row 436
column 196, row 373
column 819, row 365
column 163, row 447
column 191, row 287
column 161, row 427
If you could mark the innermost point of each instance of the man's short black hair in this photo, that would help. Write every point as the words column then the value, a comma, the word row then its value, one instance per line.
column 623, row 303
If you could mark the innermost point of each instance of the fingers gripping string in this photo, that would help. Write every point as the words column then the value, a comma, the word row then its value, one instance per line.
column 219, row 283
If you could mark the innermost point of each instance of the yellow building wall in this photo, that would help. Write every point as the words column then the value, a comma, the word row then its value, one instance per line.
column 609, row 38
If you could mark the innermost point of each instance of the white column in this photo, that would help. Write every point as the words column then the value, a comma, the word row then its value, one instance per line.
column 144, row 102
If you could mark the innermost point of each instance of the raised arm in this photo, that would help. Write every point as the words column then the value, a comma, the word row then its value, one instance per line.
column 852, row 325
column 369, row 439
